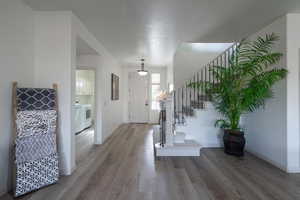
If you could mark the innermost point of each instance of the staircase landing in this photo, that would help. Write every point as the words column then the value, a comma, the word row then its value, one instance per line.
column 188, row 148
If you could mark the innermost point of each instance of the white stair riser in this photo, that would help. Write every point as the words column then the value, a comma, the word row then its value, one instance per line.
column 178, row 152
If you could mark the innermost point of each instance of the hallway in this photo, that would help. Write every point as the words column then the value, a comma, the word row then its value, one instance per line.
column 124, row 168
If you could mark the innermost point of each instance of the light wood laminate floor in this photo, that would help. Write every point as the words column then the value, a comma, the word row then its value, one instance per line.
column 84, row 144
column 123, row 168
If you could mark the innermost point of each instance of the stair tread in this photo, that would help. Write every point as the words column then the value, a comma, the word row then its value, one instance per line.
column 186, row 144
column 189, row 148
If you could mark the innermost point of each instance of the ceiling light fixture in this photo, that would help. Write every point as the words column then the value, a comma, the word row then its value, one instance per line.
column 142, row 71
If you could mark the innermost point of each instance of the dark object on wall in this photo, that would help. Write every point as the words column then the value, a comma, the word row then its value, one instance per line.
column 234, row 142
column 114, row 87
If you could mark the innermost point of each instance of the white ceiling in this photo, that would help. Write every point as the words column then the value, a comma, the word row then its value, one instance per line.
column 130, row 29
column 82, row 48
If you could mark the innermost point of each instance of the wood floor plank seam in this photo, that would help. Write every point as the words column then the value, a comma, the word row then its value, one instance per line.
column 124, row 168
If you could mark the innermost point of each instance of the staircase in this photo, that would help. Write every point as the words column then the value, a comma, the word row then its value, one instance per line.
column 189, row 110
column 171, row 142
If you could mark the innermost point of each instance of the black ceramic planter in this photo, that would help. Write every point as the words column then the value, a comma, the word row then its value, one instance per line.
column 234, row 142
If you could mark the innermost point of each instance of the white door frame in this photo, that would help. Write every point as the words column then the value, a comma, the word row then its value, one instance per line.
column 125, row 88
column 97, row 133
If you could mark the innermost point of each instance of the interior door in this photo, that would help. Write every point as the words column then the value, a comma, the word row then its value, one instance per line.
column 138, row 105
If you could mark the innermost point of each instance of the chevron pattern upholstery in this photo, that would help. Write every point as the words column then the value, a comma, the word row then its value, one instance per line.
column 35, row 148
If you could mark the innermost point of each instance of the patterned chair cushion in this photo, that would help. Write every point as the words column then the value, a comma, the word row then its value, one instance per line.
column 35, row 99
column 30, row 123
column 33, row 175
column 35, row 147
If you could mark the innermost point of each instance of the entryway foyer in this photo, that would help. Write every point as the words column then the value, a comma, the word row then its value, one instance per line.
column 139, row 99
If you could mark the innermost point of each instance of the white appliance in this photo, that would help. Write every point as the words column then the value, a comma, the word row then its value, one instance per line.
column 87, row 112
column 83, row 116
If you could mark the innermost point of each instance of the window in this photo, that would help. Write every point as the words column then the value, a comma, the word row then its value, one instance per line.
column 155, row 90
column 155, row 78
column 171, row 87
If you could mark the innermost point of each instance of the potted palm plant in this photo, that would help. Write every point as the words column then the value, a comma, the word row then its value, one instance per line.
column 243, row 87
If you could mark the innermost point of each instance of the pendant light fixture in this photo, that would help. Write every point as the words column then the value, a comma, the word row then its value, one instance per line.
column 142, row 71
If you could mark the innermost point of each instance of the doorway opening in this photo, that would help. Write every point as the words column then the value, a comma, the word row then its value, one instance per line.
column 85, row 111
column 138, row 104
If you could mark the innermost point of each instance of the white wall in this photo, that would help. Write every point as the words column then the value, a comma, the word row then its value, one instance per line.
column 153, row 114
column 53, row 64
column 274, row 131
column 55, row 42
column 108, row 111
column 16, row 61
column 266, row 129
column 170, row 76
column 201, row 127
column 112, row 110
column 293, row 89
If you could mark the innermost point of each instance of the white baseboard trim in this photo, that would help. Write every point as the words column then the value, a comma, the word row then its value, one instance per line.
column 3, row 193
column 65, row 172
column 293, row 170
column 72, row 170
column 276, row 164
column 211, row 145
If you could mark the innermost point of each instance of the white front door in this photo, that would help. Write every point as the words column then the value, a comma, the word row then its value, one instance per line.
column 138, row 107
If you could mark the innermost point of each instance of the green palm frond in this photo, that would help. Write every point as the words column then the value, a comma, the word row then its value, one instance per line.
column 222, row 123
column 247, row 83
